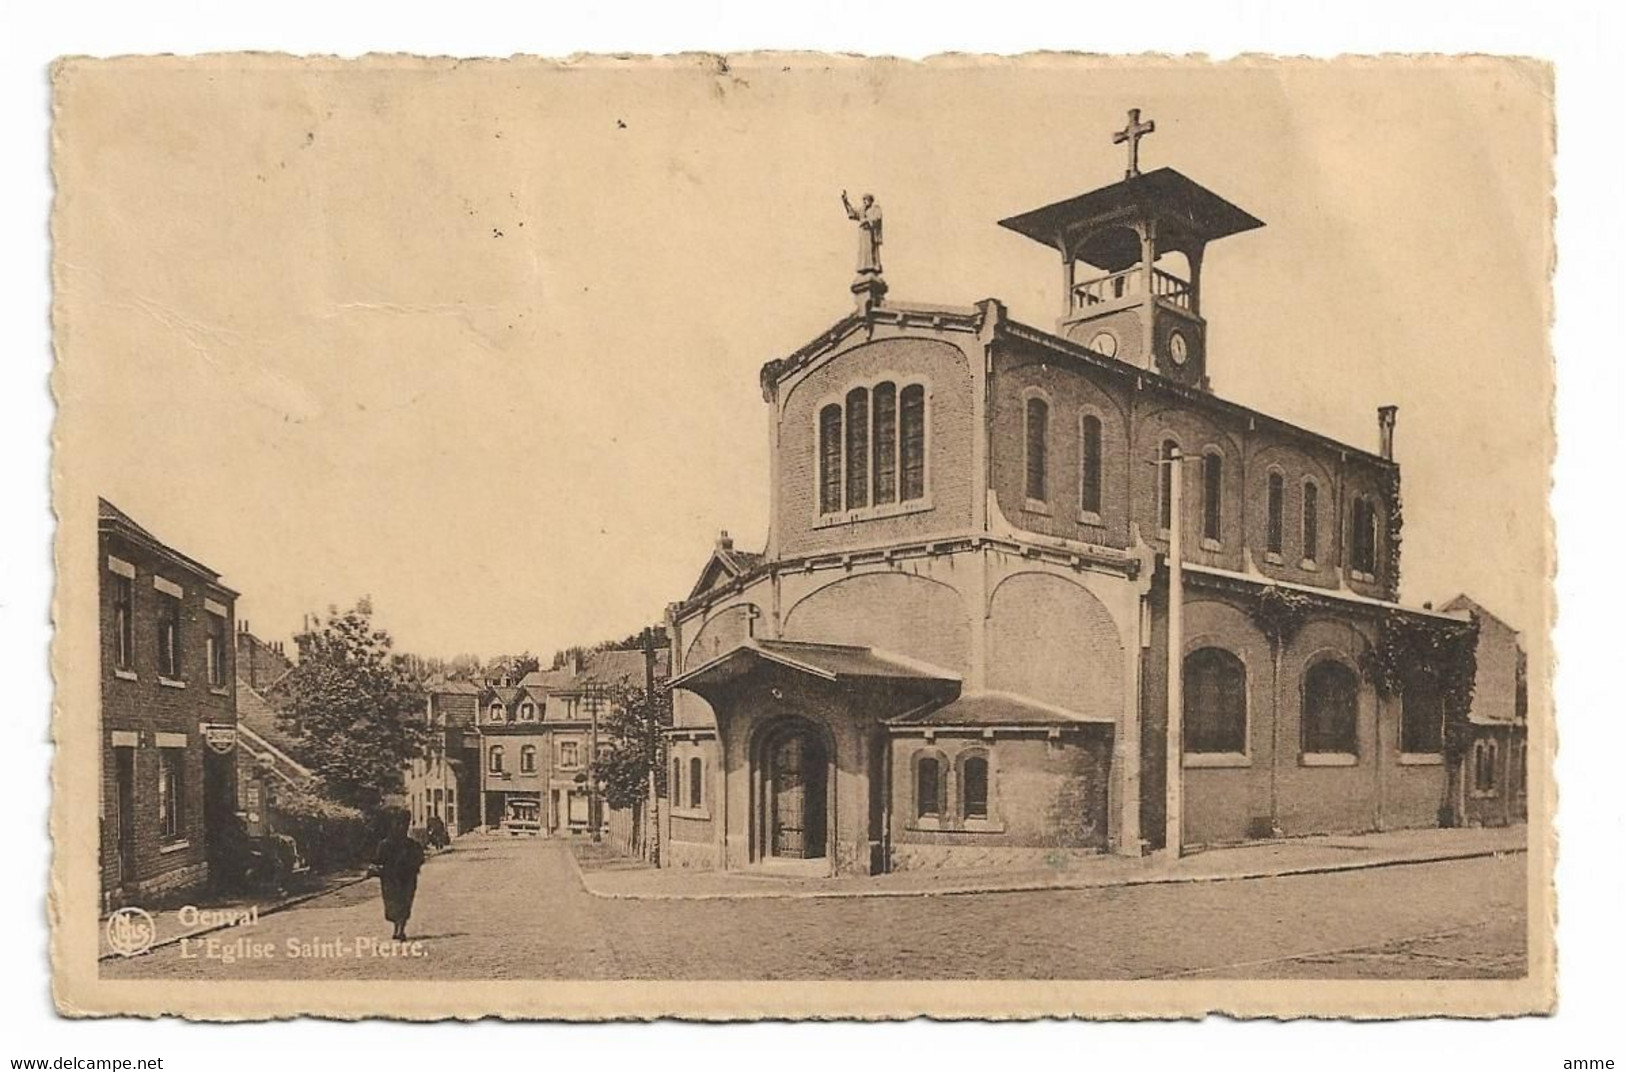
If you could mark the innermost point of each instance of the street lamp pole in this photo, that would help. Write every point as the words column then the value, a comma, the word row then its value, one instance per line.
column 594, row 698
column 1173, row 832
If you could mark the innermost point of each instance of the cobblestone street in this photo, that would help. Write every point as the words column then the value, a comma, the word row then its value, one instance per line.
column 500, row 909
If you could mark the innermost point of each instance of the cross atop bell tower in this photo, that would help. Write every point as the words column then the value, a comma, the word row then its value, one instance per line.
column 1144, row 238
column 1132, row 134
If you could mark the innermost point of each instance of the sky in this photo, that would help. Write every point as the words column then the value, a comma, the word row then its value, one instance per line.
column 481, row 340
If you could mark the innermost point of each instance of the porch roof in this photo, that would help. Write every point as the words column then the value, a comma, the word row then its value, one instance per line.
column 838, row 664
column 995, row 709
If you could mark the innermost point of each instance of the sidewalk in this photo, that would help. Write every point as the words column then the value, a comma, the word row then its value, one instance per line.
column 629, row 880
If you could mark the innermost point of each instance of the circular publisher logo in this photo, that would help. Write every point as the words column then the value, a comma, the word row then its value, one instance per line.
column 130, row 931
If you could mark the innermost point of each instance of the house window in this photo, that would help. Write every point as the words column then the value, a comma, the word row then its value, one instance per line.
column 527, row 759
column 1037, row 450
column 829, row 459
column 973, row 787
column 171, row 793
column 928, row 787
column 911, row 438
column 1215, row 702
column 1089, row 494
column 1311, row 520
column 1516, row 772
column 885, row 443
column 696, row 782
column 857, row 448
column 1165, row 485
column 1330, row 709
column 1421, row 729
column 215, row 642
column 1274, row 533
column 124, row 621
column 569, row 754
column 169, row 635
column 497, row 713
column 495, row 759
column 676, row 789
column 527, row 712
column 1484, row 756
column 1363, row 540
column 1212, row 496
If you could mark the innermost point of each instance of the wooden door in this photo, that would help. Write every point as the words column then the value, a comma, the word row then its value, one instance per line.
column 797, row 793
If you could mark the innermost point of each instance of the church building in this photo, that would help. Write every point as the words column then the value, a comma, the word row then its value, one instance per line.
column 954, row 649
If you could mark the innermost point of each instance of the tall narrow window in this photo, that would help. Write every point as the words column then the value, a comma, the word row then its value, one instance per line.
column 927, row 787
column 496, row 759
column 911, row 439
column 1212, row 496
column 1274, row 534
column 124, row 621
column 885, row 443
column 973, row 788
column 1037, row 450
column 1330, row 709
column 1484, row 761
column 527, row 759
column 1091, row 464
column 169, row 635
column 171, row 793
column 1363, row 538
column 1311, row 520
column 216, row 643
column 1421, row 717
column 829, row 459
column 675, row 790
column 696, row 782
column 1165, row 485
column 1215, row 702
column 857, row 448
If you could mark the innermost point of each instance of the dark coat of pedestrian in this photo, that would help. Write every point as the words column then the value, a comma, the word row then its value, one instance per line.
column 397, row 863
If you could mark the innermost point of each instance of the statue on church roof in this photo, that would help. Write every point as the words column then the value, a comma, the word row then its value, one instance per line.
column 869, row 234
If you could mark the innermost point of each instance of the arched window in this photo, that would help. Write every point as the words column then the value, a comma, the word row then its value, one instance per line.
column 1215, row 702
column 527, row 759
column 1331, row 698
column 1212, row 496
column 829, row 459
column 928, row 787
column 857, row 448
column 1274, row 531
column 973, row 786
column 1165, row 484
column 1037, row 450
column 696, row 782
column 496, row 759
column 1421, row 722
column 496, row 712
column 1090, row 464
column 885, row 443
column 1363, row 537
column 911, row 438
column 1311, row 520
column 675, row 790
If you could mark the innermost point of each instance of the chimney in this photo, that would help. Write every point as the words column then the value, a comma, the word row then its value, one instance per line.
column 1385, row 429
column 724, row 541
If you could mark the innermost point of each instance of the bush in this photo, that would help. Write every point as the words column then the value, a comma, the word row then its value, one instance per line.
column 331, row 836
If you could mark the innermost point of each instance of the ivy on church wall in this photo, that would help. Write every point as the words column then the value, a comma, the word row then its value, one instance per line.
column 1396, row 526
column 1409, row 647
column 1279, row 613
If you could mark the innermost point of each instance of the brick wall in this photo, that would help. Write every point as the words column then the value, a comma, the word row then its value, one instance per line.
column 1049, row 638
column 894, row 611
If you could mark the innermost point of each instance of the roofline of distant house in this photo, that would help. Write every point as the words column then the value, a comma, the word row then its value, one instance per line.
column 135, row 534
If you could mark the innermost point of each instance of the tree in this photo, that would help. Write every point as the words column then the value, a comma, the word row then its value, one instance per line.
column 633, row 762
column 356, row 707
column 512, row 667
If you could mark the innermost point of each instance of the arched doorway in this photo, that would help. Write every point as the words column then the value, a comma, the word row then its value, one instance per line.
column 795, row 793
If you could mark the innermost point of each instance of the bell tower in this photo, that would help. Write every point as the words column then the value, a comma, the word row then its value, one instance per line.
column 1140, row 242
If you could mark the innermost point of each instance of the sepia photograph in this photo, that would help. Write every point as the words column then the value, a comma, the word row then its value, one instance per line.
column 803, row 535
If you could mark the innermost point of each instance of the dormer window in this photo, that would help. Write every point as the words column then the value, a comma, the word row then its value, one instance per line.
column 527, row 712
column 496, row 712
column 871, row 448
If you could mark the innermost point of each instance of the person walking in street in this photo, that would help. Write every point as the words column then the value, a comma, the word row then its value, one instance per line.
column 397, row 862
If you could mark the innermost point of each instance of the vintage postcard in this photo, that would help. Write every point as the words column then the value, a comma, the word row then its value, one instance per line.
column 803, row 536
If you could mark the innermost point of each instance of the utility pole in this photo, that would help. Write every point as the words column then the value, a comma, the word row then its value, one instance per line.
column 594, row 698
column 1174, row 835
column 651, row 836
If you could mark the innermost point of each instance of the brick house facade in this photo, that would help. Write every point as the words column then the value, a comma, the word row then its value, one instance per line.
column 168, row 712
column 953, row 650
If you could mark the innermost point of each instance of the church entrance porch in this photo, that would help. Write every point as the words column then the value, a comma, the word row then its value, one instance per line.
column 793, row 804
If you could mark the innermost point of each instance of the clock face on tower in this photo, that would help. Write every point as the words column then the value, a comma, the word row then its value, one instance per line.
column 1178, row 348
column 1105, row 343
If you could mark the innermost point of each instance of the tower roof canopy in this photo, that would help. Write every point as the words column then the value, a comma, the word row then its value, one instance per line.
column 1198, row 214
